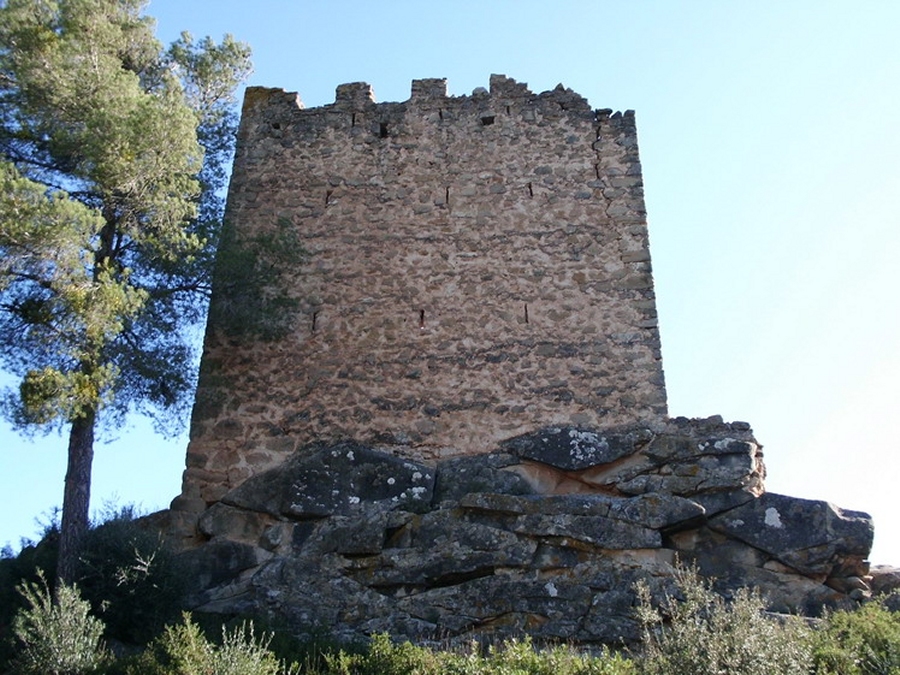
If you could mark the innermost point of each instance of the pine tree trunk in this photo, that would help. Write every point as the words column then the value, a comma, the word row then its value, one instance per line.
column 76, row 497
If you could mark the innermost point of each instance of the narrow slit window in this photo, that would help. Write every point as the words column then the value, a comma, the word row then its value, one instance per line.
column 353, row 120
column 383, row 130
column 526, row 312
column 530, row 192
column 315, row 317
column 422, row 318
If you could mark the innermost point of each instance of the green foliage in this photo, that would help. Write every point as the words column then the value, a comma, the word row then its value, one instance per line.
column 109, row 217
column 209, row 73
column 55, row 313
column 383, row 657
column 863, row 642
column 703, row 634
column 520, row 656
column 57, row 636
column 133, row 583
column 308, row 653
column 132, row 580
column 109, row 210
column 183, row 649
column 515, row 657
column 33, row 560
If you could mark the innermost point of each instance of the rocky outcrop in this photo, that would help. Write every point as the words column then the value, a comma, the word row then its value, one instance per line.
column 885, row 579
column 545, row 535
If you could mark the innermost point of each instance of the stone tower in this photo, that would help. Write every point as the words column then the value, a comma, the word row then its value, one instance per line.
column 460, row 426
column 478, row 267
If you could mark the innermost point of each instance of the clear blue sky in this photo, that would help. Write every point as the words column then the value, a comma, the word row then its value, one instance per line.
column 771, row 154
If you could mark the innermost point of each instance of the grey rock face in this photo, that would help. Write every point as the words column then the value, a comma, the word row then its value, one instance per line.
column 340, row 479
column 813, row 537
column 885, row 579
column 545, row 536
column 572, row 449
column 481, row 473
column 347, row 478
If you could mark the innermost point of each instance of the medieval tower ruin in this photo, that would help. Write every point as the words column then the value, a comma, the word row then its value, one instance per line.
column 478, row 267
column 466, row 404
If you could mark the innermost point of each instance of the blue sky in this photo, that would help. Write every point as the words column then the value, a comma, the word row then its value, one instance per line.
column 768, row 138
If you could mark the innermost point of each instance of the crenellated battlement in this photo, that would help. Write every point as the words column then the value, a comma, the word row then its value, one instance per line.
column 505, row 97
column 361, row 94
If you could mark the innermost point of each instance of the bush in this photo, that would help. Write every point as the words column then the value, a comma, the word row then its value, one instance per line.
column 183, row 649
column 383, row 657
column 520, row 656
column 16, row 568
column 133, row 582
column 57, row 637
column 863, row 642
column 703, row 634
column 516, row 657
column 307, row 653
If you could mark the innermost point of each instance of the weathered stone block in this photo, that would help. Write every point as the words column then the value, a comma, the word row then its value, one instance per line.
column 222, row 520
column 220, row 561
column 573, row 449
column 810, row 536
column 457, row 477
column 339, row 479
column 348, row 477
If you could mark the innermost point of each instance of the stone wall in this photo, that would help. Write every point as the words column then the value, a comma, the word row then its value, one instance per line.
column 478, row 267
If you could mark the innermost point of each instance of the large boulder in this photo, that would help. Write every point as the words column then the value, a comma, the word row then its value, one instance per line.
column 812, row 537
column 338, row 479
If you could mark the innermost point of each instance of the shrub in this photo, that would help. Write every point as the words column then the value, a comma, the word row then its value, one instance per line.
column 706, row 635
column 515, row 657
column 862, row 642
column 308, row 653
column 520, row 656
column 183, row 649
column 133, row 582
column 16, row 568
column 382, row 657
column 57, row 636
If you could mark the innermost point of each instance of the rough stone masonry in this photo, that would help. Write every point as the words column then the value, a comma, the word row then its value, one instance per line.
column 464, row 430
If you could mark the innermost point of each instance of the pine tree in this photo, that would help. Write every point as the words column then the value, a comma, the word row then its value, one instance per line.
column 109, row 215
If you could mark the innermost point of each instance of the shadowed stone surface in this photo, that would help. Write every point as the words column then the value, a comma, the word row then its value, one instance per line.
column 336, row 480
